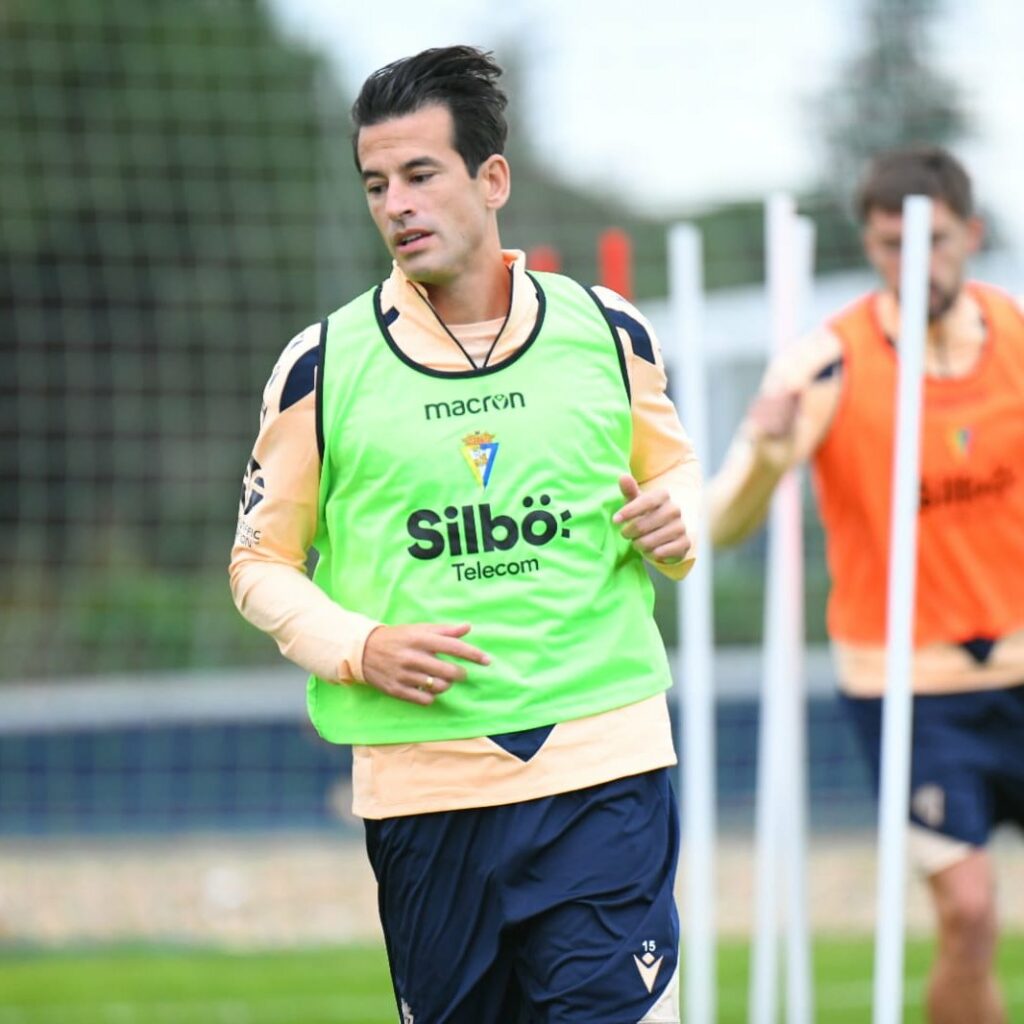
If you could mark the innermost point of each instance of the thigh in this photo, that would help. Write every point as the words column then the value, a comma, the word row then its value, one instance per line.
column 441, row 911
column 950, row 788
column 551, row 910
column 598, row 937
column 966, row 890
column 951, row 767
column 1008, row 771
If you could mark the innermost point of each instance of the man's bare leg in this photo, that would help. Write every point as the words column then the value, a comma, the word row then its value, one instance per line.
column 962, row 987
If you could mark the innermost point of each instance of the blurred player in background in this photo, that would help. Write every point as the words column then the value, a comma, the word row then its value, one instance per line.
column 830, row 399
column 484, row 459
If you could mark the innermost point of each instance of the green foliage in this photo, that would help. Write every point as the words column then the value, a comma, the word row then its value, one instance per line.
column 837, row 235
column 887, row 94
column 734, row 243
column 129, row 618
column 164, row 173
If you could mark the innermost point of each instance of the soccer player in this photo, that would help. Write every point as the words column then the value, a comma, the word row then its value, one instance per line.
column 484, row 459
column 831, row 399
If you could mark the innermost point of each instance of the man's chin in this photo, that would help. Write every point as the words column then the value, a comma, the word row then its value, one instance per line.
column 420, row 272
column 940, row 304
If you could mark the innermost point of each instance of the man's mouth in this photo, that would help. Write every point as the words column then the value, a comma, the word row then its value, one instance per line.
column 409, row 239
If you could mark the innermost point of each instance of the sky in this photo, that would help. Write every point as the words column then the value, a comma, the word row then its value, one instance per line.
column 672, row 105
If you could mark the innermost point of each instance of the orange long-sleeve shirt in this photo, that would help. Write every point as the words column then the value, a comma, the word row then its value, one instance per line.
column 277, row 523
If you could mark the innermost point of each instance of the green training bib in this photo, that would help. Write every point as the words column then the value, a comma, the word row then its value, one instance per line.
column 485, row 496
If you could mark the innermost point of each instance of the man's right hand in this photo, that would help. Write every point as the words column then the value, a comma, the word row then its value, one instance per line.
column 772, row 417
column 403, row 662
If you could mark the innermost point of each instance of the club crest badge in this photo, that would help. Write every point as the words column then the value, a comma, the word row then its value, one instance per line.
column 960, row 439
column 480, row 451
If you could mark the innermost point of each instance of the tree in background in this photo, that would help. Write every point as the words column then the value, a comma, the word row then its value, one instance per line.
column 164, row 170
column 888, row 94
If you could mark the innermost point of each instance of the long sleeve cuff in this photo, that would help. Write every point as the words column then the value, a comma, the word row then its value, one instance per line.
column 309, row 628
column 684, row 485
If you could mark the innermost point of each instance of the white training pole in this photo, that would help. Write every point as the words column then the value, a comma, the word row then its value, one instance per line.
column 805, row 239
column 695, row 650
column 781, row 786
column 799, row 973
column 897, row 706
column 770, row 796
column 764, row 960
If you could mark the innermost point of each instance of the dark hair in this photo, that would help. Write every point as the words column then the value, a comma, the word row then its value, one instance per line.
column 461, row 78
column 914, row 170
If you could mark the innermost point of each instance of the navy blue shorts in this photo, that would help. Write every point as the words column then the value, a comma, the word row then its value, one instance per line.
column 553, row 910
column 967, row 760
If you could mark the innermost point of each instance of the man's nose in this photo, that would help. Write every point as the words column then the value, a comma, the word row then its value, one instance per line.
column 399, row 201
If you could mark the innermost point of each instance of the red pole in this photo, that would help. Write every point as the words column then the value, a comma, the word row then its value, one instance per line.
column 544, row 258
column 615, row 261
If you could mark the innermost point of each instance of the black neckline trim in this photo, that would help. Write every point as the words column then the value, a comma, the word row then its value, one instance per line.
column 447, row 330
column 444, row 327
column 482, row 371
column 504, row 323
column 321, row 358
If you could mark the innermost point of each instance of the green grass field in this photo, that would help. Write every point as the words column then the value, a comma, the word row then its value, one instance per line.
column 349, row 985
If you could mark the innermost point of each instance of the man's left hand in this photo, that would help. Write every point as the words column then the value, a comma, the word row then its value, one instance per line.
column 652, row 522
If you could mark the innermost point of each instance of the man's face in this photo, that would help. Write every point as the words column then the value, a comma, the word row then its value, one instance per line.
column 954, row 240
column 435, row 219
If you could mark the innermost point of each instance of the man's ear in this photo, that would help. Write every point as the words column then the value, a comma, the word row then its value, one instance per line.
column 975, row 233
column 495, row 179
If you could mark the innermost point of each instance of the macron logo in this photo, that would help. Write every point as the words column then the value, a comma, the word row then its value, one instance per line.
column 648, row 968
column 474, row 406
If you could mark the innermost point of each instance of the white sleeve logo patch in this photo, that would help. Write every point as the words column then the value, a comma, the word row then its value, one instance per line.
column 252, row 488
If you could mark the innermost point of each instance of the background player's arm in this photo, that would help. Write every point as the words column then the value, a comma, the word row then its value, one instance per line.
column 784, row 425
column 276, row 526
column 662, row 462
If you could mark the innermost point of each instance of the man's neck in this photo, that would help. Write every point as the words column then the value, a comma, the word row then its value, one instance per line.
column 483, row 295
column 954, row 340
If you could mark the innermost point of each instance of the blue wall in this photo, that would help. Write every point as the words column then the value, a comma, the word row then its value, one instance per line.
column 279, row 775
